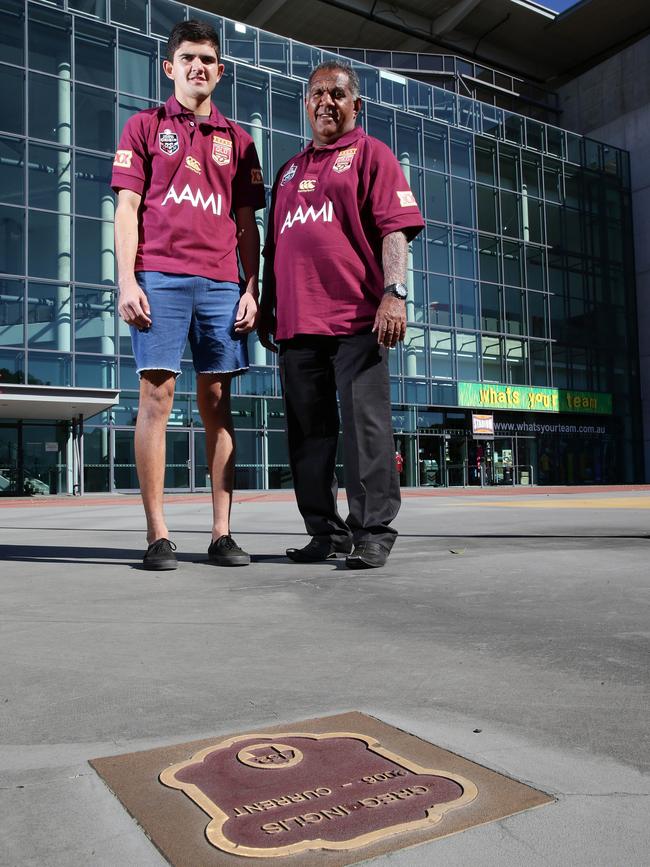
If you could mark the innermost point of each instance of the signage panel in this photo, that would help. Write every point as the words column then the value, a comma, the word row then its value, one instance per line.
column 530, row 398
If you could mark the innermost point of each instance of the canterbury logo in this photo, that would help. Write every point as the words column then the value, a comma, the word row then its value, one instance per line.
column 307, row 186
column 302, row 216
column 195, row 198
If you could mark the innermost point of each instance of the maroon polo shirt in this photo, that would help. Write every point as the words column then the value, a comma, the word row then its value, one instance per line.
column 192, row 174
column 331, row 208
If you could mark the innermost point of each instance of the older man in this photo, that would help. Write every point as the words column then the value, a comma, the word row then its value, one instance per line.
column 334, row 298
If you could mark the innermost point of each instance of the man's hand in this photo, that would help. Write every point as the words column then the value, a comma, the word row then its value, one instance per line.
column 246, row 318
column 265, row 328
column 133, row 306
column 390, row 321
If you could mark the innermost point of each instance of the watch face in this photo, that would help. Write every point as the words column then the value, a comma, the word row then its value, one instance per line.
column 399, row 290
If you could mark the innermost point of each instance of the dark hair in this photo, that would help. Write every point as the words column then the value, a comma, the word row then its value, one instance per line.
column 342, row 66
column 192, row 31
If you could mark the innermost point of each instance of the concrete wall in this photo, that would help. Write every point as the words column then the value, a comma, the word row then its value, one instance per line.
column 611, row 102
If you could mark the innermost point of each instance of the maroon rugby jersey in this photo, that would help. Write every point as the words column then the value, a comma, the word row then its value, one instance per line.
column 192, row 173
column 332, row 206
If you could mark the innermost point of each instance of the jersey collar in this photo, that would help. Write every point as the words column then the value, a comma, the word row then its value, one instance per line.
column 346, row 139
column 173, row 108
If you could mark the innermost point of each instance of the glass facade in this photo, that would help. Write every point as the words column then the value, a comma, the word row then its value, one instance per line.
column 523, row 277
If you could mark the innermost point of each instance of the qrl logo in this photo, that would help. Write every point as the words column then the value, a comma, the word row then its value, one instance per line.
column 195, row 198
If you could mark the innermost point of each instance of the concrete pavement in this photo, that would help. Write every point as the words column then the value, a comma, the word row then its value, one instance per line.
column 512, row 629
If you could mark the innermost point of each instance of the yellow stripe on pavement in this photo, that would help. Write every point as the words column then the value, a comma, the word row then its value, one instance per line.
column 572, row 503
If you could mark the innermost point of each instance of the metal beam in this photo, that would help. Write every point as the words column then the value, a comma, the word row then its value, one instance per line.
column 264, row 11
column 450, row 19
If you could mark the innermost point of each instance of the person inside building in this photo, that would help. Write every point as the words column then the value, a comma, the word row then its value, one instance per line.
column 188, row 183
column 333, row 304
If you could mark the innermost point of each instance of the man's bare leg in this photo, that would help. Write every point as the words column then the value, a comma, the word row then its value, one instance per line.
column 213, row 397
column 156, row 398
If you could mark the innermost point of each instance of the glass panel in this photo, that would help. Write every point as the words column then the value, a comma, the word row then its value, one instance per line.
column 512, row 264
column 49, row 108
column 380, row 123
column 12, row 171
column 284, row 147
column 436, row 206
column 90, row 7
column 94, row 371
column 49, row 245
column 304, row 58
column 438, row 249
column 491, row 120
column 537, row 314
column 514, row 309
column 539, row 366
column 93, row 195
column 462, row 157
column 508, row 168
column 419, row 97
column 555, row 141
column 274, row 52
column 133, row 13
column 516, row 366
column 466, row 357
column 94, row 320
column 46, row 368
column 12, row 31
column 510, row 214
column 286, row 105
column 489, row 258
column 435, row 147
column 48, row 316
column 462, row 194
column 95, row 119
column 487, row 208
column 532, row 174
column 393, row 89
column 128, row 106
column 125, row 476
column 486, row 156
column 535, row 137
column 408, row 140
column 240, row 41
column 466, row 304
column 12, row 314
column 513, row 127
column 491, row 351
column 96, row 460
column 535, row 271
column 49, row 178
column 464, row 254
column 12, row 240
column 416, row 309
column 439, row 300
column 252, row 96
column 12, row 84
column 414, row 352
column 91, row 237
column 138, row 61
column 48, row 41
column 444, row 106
column 491, row 307
column 369, row 81
column 441, row 354
column 177, row 469
column 164, row 14
column 95, row 54
column 12, row 366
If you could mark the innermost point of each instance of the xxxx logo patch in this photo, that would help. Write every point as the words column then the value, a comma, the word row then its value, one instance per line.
column 123, row 159
column 406, row 199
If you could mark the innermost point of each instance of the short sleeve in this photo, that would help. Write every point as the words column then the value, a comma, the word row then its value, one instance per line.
column 248, row 183
column 391, row 202
column 129, row 165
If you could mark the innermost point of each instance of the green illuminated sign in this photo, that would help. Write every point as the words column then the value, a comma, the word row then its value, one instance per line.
column 532, row 398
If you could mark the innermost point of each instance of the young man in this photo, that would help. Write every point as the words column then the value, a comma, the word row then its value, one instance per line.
column 336, row 259
column 188, row 183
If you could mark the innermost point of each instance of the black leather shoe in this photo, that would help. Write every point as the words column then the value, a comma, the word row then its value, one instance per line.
column 367, row 555
column 160, row 556
column 318, row 550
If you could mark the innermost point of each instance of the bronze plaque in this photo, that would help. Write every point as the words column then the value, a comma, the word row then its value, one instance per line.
column 327, row 792
column 271, row 795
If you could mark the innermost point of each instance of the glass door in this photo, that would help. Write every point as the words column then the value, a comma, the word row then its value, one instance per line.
column 430, row 461
column 456, row 461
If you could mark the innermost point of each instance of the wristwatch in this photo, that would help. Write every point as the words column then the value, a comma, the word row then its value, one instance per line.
column 399, row 290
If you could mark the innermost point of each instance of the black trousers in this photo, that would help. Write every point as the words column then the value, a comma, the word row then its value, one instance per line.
column 313, row 369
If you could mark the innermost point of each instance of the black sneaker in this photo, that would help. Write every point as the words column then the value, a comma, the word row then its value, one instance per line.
column 224, row 551
column 160, row 556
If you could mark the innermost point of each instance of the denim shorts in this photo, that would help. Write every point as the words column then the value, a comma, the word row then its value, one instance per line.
column 194, row 308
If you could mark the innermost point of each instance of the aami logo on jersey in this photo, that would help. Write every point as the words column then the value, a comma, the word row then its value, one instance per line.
column 168, row 142
column 307, row 186
column 302, row 215
column 195, row 198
